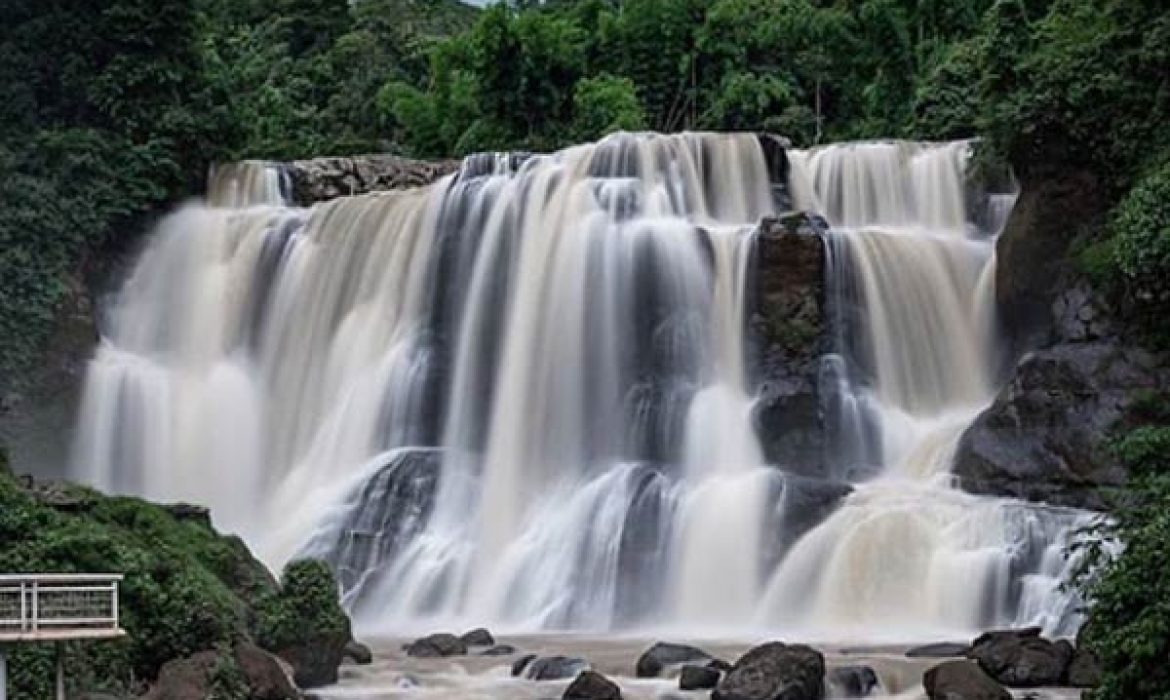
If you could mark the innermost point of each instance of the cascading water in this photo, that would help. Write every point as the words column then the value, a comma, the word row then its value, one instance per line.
column 520, row 395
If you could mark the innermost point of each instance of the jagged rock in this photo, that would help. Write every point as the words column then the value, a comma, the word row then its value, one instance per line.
column 358, row 653
column 436, row 645
column 551, row 668
column 698, row 677
column 590, row 685
column 1021, row 658
column 192, row 677
column 499, row 650
column 962, row 680
column 775, row 671
column 663, row 655
column 321, row 179
column 521, row 663
column 787, row 322
column 938, row 650
column 852, row 681
column 1084, row 670
column 478, row 637
column 190, row 513
column 1044, row 437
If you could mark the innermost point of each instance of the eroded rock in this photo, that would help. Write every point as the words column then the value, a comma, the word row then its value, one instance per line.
column 962, row 680
column 775, row 671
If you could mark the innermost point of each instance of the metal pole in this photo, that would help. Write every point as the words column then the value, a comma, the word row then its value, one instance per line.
column 60, row 671
column 3, row 675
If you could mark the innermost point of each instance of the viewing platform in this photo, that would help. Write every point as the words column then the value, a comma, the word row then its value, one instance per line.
column 56, row 608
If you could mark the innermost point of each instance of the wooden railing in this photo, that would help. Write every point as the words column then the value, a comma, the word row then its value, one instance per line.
column 47, row 607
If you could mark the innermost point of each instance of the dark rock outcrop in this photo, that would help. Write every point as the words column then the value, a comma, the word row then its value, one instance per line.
column 787, row 322
column 852, row 681
column 260, row 675
column 437, row 645
column 358, row 653
column 590, row 685
column 551, row 668
column 938, row 650
column 322, row 179
column 663, row 655
column 478, row 637
column 1021, row 658
column 775, row 671
column 1044, row 436
column 1084, row 670
column 962, row 680
column 1032, row 253
column 698, row 677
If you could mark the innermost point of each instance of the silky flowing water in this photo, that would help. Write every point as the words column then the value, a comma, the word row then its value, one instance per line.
column 523, row 396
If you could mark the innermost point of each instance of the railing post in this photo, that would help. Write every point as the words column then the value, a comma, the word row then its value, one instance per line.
column 60, row 671
column 35, row 613
column 3, row 675
column 114, row 585
column 23, row 608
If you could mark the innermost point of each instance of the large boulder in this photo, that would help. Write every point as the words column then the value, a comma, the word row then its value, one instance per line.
column 1021, row 658
column 852, row 681
column 962, row 680
column 1084, row 670
column 246, row 672
column 358, row 653
column 775, row 671
column 663, row 655
column 436, row 645
column 590, row 685
column 1044, row 436
column 478, row 637
column 698, row 677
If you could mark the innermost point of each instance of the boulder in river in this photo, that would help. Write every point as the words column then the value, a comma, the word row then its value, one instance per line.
column 663, row 655
column 478, row 637
column 521, row 663
column 590, row 685
column 551, row 668
column 852, row 681
column 436, row 645
column 698, row 677
column 962, row 680
column 1022, row 658
column 775, row 671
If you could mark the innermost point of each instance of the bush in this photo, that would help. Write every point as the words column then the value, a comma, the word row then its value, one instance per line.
column 303, row 622
column 1129, row 626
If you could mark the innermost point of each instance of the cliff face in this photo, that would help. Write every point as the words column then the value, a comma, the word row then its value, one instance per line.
column 1080, row 378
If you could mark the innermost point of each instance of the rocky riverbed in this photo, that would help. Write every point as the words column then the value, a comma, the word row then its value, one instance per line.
column 395, row 674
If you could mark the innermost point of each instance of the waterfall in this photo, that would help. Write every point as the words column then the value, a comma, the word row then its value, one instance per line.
column 521, row 395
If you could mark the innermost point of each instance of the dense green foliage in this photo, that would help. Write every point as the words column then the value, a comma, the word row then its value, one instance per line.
column 186, row 588
column 305, row 611
column 1130, row 621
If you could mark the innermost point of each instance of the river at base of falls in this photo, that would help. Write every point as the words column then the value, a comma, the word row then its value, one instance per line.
column 393, row 675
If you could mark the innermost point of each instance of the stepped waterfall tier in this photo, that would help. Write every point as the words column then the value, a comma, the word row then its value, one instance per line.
column 526, row 393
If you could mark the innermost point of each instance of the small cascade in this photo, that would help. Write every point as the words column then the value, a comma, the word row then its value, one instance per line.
column 520, row 396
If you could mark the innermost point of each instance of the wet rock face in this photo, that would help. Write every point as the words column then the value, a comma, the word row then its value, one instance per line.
column 962, row 680
column 1044, row 437
column 1022, row 658
column 775, row 671
column 787, row 324
column 590, row 685
column 321, row 179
